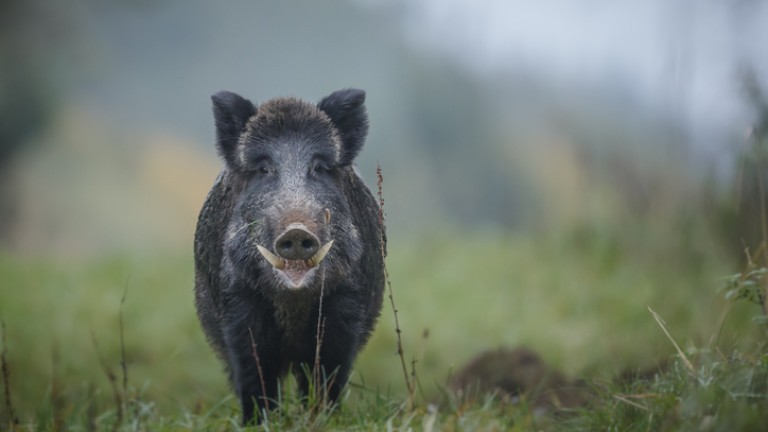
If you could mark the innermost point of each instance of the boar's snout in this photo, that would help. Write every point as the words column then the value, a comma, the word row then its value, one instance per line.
column 297, row 243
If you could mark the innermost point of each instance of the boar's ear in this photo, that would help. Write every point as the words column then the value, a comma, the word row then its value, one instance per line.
column 231, row 112
column 347, row 112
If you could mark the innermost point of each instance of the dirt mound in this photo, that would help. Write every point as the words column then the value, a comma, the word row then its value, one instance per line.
column 518, row 372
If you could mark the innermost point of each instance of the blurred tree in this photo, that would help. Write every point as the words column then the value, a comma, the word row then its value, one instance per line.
column 746, row 220
column 33, row 34
column 754, row 185
column 41, row 43
column 455, row 118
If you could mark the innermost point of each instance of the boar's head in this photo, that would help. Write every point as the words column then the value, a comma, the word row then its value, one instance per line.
column 286, row 160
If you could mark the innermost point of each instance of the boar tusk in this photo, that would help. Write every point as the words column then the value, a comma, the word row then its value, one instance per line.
column 315, row 260
column 327, row 216
column 273, row 259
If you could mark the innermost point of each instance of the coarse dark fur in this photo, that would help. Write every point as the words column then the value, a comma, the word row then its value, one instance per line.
column 288, row 161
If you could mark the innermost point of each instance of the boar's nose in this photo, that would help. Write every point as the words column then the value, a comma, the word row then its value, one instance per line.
column 297, row 244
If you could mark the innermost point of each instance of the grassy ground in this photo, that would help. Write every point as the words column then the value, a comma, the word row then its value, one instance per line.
column 580, row 299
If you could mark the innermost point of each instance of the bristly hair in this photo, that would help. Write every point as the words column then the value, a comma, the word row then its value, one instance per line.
column 340, row 117
column 292, row 116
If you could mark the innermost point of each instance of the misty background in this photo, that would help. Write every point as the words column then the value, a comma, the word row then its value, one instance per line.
column 551, row 169
column 483, row 114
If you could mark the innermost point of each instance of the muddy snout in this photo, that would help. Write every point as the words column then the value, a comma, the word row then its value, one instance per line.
column 297, row 243
column 297, row 254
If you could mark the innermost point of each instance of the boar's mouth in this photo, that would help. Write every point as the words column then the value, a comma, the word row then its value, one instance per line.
column 297, row 272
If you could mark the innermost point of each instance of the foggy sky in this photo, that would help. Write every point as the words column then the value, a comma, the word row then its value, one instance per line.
column 682, row 57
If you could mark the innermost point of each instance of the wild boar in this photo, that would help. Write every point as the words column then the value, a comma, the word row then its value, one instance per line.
column 288, row 218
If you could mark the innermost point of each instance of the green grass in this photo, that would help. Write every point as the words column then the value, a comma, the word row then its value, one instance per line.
column 578, row 298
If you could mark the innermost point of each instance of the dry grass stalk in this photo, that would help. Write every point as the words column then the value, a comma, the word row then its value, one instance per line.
column 7, row 379
column 687, row 362
column 316, row 374
column 112, row 382
column 123, row 364
column 408, row 384
column 261, row 374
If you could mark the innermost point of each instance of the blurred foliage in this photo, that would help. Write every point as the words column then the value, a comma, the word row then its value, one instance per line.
column 462, row 151
column 452, row 117
column 578, row 300
column 746, row 285
column 27, row 39
column 46, row 47
column 30, row 34
column 744, row 217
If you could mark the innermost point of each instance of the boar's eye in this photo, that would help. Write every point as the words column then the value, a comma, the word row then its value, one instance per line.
column 319, row 167
column 262, row 166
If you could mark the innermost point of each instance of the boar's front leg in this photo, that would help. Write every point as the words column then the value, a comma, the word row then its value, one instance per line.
column 342, row 317
column 247, row 330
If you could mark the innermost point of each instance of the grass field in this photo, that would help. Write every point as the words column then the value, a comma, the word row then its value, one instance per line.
column 579, row 298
